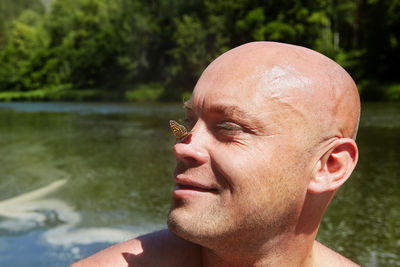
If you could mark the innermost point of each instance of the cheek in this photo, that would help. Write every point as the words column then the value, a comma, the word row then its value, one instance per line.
column 243, row 170
column 260, row 171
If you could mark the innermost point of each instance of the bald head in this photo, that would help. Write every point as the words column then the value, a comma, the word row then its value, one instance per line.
column 270, row 139
column 317, row 88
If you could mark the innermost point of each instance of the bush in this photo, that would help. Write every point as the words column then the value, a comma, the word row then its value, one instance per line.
column 145, row 92
column 393, row 92
column 373, row 90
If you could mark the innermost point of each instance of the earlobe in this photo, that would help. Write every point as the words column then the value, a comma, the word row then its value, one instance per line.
column 334, row 167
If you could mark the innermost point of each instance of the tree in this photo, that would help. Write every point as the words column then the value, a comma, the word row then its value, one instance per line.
column 21, row 59
column 10, row 10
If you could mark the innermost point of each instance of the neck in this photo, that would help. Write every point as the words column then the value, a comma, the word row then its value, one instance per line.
column 294, row 247
column 283, row 251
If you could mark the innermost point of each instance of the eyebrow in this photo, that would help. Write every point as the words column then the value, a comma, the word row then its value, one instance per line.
column 188, row 105
column 232, row 111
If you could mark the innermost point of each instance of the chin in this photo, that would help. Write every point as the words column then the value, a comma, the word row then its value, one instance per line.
column 198, row 228
column 178, row 220
column 185, row 226
column 176, row 226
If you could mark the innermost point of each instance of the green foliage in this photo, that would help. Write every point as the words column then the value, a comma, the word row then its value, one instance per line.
column 374, row 90
column 393, row 92
column 351, row 60
column 114, row 45
column 81, row 41
column 189, row 54
column 60, row 93
column 145, row 92
column 21, row 57
column 10, row 10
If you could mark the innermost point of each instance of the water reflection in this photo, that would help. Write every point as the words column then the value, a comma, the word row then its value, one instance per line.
column 33, row 210
column 29, row 210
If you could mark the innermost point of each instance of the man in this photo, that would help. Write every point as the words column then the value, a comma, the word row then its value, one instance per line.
column 272, row 139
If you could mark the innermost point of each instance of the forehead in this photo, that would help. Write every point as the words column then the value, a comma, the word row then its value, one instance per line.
column 256, row 89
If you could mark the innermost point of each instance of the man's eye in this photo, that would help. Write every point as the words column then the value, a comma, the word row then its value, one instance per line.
column 229, row 127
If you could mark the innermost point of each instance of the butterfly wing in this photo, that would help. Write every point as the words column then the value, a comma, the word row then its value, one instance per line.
column 179, row 130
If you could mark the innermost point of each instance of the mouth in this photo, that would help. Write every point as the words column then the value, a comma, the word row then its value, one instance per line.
column 188, row 187
column 185, row 186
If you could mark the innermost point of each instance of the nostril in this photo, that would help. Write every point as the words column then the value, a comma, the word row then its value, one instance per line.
column 190, row 161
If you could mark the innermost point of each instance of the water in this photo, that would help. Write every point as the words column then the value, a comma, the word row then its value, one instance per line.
column 76, row 178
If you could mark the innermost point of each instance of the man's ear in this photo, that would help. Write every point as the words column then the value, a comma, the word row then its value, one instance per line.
column 334, row 167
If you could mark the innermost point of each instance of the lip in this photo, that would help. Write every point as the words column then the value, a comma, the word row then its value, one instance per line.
column 185, row 186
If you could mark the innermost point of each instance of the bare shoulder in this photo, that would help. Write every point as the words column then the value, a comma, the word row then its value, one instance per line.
column 324, row 256
column 155, row 249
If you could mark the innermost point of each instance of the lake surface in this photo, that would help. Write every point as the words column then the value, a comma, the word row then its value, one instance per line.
column 76, row 178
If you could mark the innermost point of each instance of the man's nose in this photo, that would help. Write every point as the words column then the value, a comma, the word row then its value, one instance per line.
column 193, row 149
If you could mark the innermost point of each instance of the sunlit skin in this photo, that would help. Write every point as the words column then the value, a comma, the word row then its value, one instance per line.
column 272, row 129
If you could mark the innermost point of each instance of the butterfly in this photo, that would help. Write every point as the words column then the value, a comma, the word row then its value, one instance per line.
column 179, row 130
